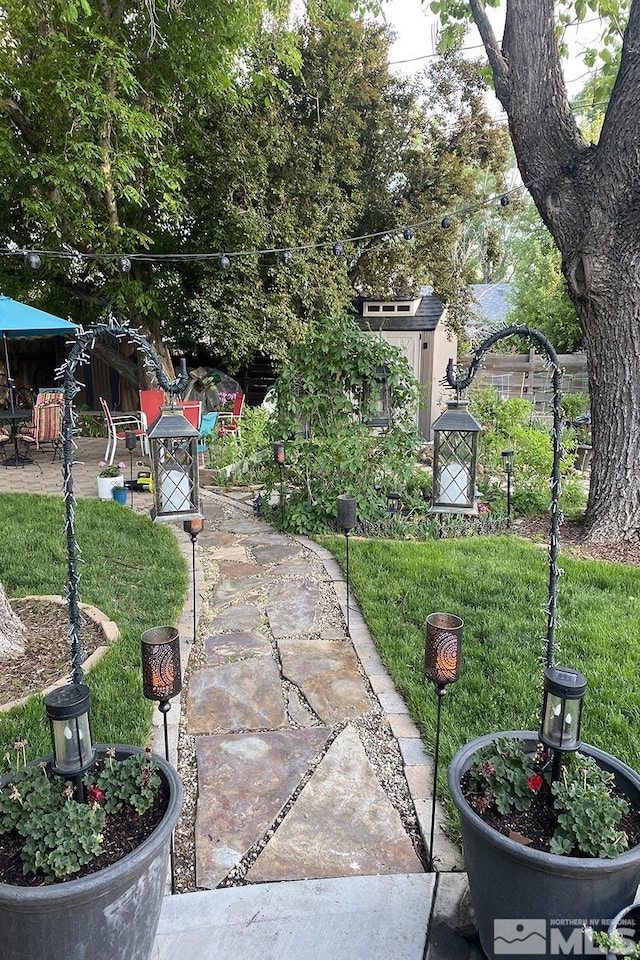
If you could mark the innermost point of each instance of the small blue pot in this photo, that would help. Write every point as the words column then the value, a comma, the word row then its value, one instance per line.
column 119, row 494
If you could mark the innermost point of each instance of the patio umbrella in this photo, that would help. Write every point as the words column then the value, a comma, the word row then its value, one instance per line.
column 21, row 320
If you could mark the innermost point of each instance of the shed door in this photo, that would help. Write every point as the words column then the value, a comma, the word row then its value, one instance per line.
column 409, row 344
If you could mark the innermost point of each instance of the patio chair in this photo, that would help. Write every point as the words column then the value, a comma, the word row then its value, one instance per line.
column 207, row 426
column 115, row 423
column 192, row 411
column 46, row 421
column 151, row 402
column 231, row 420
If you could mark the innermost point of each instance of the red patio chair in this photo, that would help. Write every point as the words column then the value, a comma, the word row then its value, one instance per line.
column 231, row 420
column 151, row 402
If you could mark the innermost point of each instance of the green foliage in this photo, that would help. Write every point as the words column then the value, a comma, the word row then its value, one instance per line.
column 588, row 813
column 538, row 296
column 506, row 773
column 61, row 835
column 510, row 424
column 325, row 396
column 132, row 782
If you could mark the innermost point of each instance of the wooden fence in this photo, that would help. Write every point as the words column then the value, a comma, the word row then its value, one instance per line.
column 525, row 375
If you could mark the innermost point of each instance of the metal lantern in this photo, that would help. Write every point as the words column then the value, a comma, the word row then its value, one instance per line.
column 443, row 648
column 378, row 398
column 455, row 455
column 278, row 453
column 174, row 453
column 507, row 461
column 393, row 502
column 68, row 712
column 346, row 512
column 258, row 504
column 564, row 691
column 161, row 675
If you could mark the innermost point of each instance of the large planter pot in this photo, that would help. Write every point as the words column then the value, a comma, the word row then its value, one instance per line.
column 524, row 897
column 111, row 915
column 627, row 925
column 106, row 485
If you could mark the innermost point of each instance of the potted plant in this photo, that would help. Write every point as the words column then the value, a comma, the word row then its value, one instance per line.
column 523, row 895
column 622, row 939
column 110, row 476
column 70, row 886
column 119, row 493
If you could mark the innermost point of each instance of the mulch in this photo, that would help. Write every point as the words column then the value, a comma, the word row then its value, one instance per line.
column 46, row 648
column 572, row 541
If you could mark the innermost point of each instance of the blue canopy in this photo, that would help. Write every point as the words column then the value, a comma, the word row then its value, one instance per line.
column 21, row 320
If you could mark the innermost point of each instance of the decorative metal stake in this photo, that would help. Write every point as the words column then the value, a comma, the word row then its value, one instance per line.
column 130, row 440
column 346, row 521
column 462, row 383
column 279, row 457
column 79, row 354
column 193, row 528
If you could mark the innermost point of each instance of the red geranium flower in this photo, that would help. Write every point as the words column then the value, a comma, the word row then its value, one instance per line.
column 95, row 794
column 534, row 783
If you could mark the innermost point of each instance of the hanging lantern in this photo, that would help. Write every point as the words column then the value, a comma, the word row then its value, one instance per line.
column 161, row 674
column 278, row 453
column 378, row 399
column 455, row 454
column 443, row 648
column 68, row 712
column 564, row 690
column 174, row 453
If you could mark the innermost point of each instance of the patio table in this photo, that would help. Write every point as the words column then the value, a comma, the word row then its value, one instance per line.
column 13, row 418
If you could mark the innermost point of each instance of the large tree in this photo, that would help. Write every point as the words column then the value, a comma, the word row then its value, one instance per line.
column 587, row 195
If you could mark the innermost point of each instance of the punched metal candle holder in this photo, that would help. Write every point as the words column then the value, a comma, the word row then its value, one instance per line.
column 347, row 515
column 279, row 459
column 162, row 680
column 193, row 528
column 442, row 658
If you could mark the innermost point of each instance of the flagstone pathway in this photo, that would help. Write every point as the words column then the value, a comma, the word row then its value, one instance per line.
column 284, row 720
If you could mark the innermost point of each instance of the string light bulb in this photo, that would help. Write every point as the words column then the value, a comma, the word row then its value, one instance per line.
column 445, row 223
column 286, row 256
column 336, row 249
column 124, row 264
column 504, row 201
column 33, row 261
column 408, row 233
column 224, row 262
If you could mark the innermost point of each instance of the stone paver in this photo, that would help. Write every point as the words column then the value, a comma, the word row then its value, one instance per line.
column 242, row 616
column 294, row 607
column 241, row 525
column 230, row 818
column 234, row 568
column 342, row 824
column 326, row 671
column 246, row 695
column 229, row 590
column 275, row 552
column 222, row 648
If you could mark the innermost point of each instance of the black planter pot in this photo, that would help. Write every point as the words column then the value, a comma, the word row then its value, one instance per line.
column 627, row 924
column 526, row 897
column 111, row 915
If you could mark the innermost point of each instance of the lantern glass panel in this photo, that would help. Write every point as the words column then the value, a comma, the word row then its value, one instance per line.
column 72, row 748
column 561, row 722
column 175, row 461
column 454, row 480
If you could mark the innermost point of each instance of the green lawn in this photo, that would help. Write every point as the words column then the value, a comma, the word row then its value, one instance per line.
column 498, row 585
column 132, row 570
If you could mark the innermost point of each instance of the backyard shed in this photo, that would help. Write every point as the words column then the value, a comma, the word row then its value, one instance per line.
column 416, row 326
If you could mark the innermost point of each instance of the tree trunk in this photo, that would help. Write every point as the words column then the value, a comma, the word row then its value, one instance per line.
column 588, row 198
column 12, row 630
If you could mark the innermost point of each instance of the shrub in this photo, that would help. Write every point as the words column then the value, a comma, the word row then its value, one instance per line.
column 324, row 398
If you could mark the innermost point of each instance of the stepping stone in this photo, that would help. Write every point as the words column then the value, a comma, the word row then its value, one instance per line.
column 240, row 525
column 276, row 552
column 215, row 538
column 242, row 616
column 244, row 782
column 296, row 568
column 224, row 647
column 237, row 553
column 327, row 673
column 230, row 590
column 342, row 824
column 294, row 607
column 212, row 511
column 245, row 695
column 233, row 568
